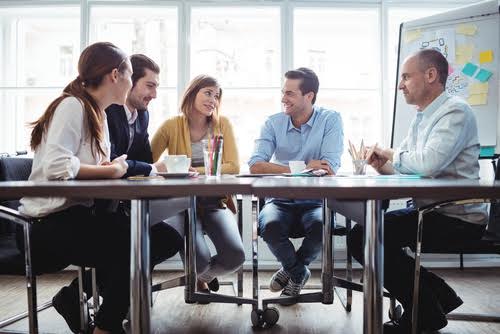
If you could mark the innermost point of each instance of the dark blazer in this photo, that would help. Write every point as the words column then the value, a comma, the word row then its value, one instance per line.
column 139, row 155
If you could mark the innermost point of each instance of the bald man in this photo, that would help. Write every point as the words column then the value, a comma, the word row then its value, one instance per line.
column 442, row 142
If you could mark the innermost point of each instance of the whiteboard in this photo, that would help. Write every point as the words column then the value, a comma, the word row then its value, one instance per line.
column 469, row 38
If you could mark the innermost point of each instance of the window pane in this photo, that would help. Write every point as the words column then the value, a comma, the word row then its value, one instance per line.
column 247, row 109
column 148, row 30
column 239, row 46
column 28, row 105
column 40, row 47
column 341, row 45
column 360, row 112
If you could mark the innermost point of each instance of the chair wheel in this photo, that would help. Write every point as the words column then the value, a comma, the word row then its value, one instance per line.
column 271, row 316
column 257, row 319
column 396, row 315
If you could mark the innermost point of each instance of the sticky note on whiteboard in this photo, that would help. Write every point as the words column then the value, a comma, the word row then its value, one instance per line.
column 486, row 56
column 483, row 75
column 478, row 88
column 463, row 53
column 466, row 29
column 412, row 35
column 478, row 99
column 469, row 69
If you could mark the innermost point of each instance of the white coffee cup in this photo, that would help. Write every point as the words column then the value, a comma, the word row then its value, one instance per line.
column 296, row 166
column 177, row 163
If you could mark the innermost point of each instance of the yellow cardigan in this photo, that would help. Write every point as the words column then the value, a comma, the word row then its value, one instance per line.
column 173, row 138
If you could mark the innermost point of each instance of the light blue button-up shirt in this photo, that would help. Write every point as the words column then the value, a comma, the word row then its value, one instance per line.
column 320, row 138
column 442, row 143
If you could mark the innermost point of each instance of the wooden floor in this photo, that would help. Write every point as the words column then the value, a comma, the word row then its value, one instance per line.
column 480, row 289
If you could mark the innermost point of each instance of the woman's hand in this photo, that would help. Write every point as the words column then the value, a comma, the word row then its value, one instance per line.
column 120, row 166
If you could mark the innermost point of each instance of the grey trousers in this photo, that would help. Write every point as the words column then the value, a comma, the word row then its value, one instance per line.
column 221, row 227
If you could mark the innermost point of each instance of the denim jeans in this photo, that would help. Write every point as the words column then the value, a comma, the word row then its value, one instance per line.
column 281, row 219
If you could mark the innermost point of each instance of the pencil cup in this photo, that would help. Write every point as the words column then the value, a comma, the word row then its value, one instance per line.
column 212, row 155
column 359, row 167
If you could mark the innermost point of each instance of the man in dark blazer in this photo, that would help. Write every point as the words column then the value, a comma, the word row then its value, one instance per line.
column 128, row 124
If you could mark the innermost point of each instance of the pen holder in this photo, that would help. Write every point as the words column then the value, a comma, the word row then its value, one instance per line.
column 359, row 167
column 212, row 156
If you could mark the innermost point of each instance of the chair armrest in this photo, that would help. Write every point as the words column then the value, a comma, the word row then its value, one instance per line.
column 14, row 216
column 444, row 204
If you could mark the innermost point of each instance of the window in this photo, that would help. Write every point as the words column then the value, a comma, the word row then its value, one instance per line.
column 241, row 48
column 148, row 30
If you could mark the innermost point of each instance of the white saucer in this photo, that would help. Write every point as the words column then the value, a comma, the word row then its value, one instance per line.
column 168, row 175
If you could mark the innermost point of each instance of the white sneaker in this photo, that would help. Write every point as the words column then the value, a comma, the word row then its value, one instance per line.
column 292, row 289
column 279, row 280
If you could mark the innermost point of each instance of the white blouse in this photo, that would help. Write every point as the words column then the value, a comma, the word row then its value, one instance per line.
column 64, row 146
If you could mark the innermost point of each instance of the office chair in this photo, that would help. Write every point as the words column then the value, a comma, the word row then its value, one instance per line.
column 181, row 281
column 270, row 315
column 488, row 244
column 14, row 261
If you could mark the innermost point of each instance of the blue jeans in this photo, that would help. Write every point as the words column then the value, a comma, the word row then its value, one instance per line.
column 281, row 219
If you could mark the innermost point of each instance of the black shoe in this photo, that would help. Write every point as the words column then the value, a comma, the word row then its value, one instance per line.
column 66, row 304
column 214, row 285
column 446, row 296
column 404, row 324
column 396, row 327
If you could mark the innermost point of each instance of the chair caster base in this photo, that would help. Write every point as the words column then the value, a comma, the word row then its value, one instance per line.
column 265, row 318
column 396, row 313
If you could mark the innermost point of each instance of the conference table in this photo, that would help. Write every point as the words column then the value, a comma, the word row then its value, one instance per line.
column 371, row 190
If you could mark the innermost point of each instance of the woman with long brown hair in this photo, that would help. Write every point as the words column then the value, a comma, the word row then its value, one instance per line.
column 71, row 141
column 183, row 134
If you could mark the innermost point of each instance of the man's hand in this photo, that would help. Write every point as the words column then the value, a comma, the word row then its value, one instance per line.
column 120, row 166
column 320, row 164
column 379, row 158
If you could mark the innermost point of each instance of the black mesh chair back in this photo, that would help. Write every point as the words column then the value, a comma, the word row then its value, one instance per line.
column 12, row 260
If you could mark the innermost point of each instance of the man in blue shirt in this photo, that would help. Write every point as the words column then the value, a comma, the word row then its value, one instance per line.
column 442, row 142
column 302, row 132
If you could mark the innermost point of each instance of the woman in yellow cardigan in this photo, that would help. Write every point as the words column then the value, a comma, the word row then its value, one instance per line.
column 182, row 134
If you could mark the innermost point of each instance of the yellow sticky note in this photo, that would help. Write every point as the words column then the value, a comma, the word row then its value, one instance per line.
column 412, row 35
column 486, row 57
column 462, row 59
column 478, row 99
column 478, row 88
column 463, row 53
column 466, row 29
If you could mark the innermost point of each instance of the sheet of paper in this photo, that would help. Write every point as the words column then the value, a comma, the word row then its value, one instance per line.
column 457, row 84
column 478, row 88
column 483, row 75
column 486, row 57
column 466, row 29
column 412, row 35
column 478, row 99
column 469, row 69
